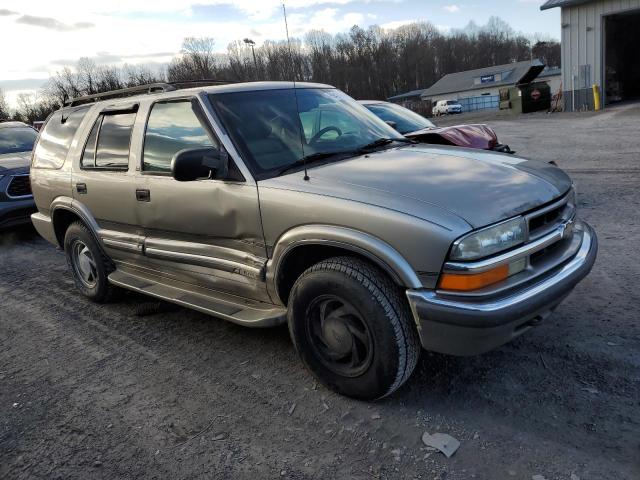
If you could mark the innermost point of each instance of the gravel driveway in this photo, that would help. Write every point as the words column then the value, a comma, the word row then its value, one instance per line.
column 139, row 389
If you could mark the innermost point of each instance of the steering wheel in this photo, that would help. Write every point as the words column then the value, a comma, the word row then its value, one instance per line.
column 318, row 135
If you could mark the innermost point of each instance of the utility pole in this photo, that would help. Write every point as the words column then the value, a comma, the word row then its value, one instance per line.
column 252, row 44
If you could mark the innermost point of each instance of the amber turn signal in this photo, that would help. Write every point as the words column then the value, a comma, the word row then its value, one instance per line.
column 462, row 283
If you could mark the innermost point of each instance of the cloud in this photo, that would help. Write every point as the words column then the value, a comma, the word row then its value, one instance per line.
column 22, row 83
column 52, row 24
column 106, row 58
column 451, row 8
column 396, row 24
column 5, row 13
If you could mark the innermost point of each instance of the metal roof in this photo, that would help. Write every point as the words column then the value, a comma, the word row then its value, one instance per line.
column 403, row 96
column 513, row 74
column 562, row 3
column 550, row 72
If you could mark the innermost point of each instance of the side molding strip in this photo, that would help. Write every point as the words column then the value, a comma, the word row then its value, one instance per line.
column 204, row 261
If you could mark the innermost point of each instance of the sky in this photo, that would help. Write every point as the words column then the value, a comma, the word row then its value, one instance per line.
column 52, row 34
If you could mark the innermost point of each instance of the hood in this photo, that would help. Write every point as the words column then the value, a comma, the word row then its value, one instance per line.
column 15, row 161
column 478, row 186
column 478, row 136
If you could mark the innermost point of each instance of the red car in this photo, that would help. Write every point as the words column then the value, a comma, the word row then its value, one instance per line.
column 415, row 126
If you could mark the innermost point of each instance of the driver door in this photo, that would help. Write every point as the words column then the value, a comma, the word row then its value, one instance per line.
column 204, row 233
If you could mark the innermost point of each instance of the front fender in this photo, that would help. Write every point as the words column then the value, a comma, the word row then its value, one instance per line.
column 378, row 251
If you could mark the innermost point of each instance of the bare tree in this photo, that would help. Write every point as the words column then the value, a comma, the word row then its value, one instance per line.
column 4, row 107
column 197, row 60
column 366, row 63
column 548, row 51
column 32, row 108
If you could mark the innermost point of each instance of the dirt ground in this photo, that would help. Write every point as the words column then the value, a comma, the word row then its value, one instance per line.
column 136, row 389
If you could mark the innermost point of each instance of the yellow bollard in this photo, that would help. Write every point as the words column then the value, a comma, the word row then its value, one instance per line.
column 596, row 98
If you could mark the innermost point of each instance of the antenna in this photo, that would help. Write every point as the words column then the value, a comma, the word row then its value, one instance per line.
column 295, row 90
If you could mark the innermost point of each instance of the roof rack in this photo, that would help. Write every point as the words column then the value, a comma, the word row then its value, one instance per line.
column 141, row 89
column 199, row 83
column 122, row 92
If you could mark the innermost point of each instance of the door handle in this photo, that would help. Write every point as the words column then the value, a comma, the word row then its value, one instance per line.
column 81, row 188
column 143, row 195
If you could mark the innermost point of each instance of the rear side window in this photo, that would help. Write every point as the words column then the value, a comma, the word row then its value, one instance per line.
column 107, row 147
column 172, row 126
column 56, row 137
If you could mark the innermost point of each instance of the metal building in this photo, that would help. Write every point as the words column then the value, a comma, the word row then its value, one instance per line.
column 475, row 89
column 600, row 46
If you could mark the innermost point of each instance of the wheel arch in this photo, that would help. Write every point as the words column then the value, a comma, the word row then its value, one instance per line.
column 301, row 247
column 65, row 211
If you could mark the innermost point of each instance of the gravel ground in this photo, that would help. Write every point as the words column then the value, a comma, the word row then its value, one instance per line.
column 139, row 389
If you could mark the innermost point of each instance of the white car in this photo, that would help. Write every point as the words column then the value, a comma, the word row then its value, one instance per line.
column 447, row 107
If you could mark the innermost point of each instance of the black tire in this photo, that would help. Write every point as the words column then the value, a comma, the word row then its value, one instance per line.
column 346, row 301
column 78, row 240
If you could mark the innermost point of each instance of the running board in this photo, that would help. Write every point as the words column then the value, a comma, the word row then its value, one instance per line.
column 234, row 309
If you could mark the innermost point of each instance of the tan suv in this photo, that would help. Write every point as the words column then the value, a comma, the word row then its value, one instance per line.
column 266, row 203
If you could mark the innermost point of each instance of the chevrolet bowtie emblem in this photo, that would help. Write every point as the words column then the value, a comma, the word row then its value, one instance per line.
column 567, row 229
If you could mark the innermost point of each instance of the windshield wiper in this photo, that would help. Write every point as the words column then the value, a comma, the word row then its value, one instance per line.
column 309, row 159
column 381, row 142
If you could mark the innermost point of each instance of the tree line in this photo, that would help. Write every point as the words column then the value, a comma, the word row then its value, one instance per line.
column 371, row 63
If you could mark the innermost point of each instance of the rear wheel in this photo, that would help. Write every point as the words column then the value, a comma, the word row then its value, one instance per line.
column 352, row 328
column 89, row 266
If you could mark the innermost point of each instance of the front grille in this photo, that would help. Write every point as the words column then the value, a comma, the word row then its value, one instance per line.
column 541, row 255
column 20, row 186
column 545, row 221
column 549, row 218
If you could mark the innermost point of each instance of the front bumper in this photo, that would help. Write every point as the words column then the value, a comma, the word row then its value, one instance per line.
column 15, row 213
column 470, row 326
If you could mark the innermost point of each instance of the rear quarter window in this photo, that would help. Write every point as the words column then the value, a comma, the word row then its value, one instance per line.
column 56, row 137
column 107, row 147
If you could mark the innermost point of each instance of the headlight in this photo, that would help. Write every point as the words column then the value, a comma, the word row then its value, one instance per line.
column 490, row 240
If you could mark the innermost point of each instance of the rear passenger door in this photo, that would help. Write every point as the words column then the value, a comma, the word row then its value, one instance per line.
column 104, row 183
column 206, row 233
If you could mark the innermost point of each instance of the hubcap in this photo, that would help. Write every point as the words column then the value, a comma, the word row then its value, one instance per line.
column 84, row 265
column 339, row 337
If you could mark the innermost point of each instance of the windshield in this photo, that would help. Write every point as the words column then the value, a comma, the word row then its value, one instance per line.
column 272, row 133
column 406, row 120
column 17, row 139
column 452, row 102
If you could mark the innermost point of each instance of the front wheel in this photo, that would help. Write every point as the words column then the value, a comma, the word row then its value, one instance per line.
column 352, row 328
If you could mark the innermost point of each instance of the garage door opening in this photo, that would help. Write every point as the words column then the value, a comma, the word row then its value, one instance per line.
column 622, row 57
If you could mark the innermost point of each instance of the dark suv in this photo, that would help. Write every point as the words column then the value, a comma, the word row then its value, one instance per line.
column 16, row 200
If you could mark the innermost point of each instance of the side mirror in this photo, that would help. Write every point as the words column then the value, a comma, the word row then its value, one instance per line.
column 392, row 124
column 194, row 163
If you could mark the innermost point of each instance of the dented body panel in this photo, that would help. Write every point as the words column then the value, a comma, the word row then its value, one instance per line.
column 477, row 136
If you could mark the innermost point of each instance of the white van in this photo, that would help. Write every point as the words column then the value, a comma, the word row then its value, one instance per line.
column 446, row 107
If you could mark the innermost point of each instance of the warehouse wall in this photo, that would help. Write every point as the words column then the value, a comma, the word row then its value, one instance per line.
column 467, row 93
column 582, row 43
